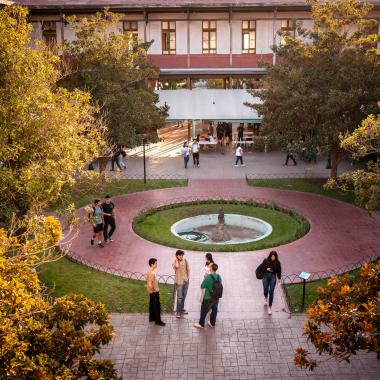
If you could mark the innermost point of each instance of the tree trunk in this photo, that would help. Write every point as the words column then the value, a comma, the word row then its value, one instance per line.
column 337, row 155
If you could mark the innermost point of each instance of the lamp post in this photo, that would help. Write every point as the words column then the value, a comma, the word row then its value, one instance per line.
column 144, row 142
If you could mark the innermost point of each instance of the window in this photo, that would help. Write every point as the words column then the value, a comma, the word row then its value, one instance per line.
column 168, row 37
column 249, row 37
column 208, row 83
column 246, row 83
column 49, row 33
column 209, row 37
column 171, row 84
column 130, row 28
column 288, row 27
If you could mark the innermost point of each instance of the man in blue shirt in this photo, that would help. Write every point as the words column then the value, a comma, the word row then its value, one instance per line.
column 209, row 301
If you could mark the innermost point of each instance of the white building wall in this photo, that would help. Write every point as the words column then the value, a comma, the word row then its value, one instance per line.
column 181, row 37
column 154, row 33
column 141, row 30
column 222, row 37
column 195, row 37
column 264, row 36
column 236, row 36
column 68, row 33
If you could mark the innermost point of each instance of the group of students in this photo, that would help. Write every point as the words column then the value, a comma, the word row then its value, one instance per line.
column 102, row 218
column 194, row 150
column 211, row 289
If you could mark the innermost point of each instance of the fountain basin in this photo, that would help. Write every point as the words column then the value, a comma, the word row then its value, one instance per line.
column 242, row 229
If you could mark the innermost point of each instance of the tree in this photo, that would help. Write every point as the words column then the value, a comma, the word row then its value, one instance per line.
column 47, row 133
column 326, row 78
column 114, row 68
column 363, row 142
column 345, row 317
column 42, row 339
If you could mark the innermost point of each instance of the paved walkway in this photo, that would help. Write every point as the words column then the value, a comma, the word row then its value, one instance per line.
column 340, row 234
column 236, row 349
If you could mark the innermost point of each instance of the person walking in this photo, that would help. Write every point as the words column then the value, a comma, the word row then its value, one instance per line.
column 181, row 283
column 115, row 159
column 195, row 151
column 289, row 154
column 239, row 155
column 96, row 218
column 108, row 208
column 271, row 270
column 185, row 151
column 211, row 292
column 154, row 293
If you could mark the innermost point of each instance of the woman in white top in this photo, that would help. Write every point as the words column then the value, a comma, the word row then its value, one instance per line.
column 239, row 155
column 185, row 151
column 209, row 262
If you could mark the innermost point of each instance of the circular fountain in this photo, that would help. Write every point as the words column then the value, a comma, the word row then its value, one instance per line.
column 221, row 229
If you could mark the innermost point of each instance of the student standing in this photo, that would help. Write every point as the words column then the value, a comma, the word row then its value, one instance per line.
column 212, row 290
column 195, row 150
column 154, row 293
column 185, row 151
column 239, row 155
column 289, row 154
column 96, row 218
column 240, row 132
column 209, row 262
column 271, row 269
column 182, row 275
column 109, row 218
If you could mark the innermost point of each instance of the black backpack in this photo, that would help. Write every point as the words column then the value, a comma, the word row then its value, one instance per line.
column 260, row 271
column 217, row 288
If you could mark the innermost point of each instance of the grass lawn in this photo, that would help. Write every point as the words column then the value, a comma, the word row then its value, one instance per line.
column 155, row 226
column 314, row 186
column 294, row 292
column 124, row 186
column 118, row 294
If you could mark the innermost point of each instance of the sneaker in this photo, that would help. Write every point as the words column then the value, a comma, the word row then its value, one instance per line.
column 161, row 324
column 236, row 165
column 184, row 311
column 243, row 165
column 110, row 240
column 179, row 316
column 100, row 245
column 265, row 301
column 198, row 165
column 198, row 326
column 92, row 241
column 269, row 311
column 209, row 324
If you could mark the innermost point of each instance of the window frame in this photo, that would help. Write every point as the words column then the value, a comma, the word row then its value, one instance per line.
column 133, row 31
column 209, row 30
column 289, row 29
column 49, row 33
column 248, row 31
column 168, row 31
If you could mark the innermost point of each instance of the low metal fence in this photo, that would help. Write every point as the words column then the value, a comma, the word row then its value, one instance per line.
column 298, row 303
column 307, row 174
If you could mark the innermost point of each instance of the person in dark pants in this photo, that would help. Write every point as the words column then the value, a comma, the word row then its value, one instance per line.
column 240, row 132
column 109, row 219
column 195, row 151
column 154, row 293
column 289, row 154
column 271, row 267
column 208, row 302
column 115, row 159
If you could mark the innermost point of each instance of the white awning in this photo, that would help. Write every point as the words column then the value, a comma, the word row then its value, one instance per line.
column 207, row 104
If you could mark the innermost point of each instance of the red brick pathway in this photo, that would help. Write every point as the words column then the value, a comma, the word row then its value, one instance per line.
column 340, row 234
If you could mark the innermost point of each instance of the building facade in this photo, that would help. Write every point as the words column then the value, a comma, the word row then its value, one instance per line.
column 196, row 44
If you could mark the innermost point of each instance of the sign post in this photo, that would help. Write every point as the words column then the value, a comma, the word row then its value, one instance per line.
column 304, row 276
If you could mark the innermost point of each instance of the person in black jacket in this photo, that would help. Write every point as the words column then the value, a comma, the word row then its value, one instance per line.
column 271, row 268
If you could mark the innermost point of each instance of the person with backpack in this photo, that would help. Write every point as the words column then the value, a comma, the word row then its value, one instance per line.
column 212, row 291
column 268, row 271
column 108, row 209
column 95, row 217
